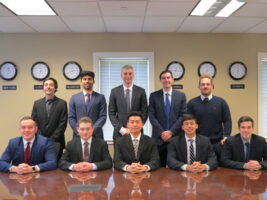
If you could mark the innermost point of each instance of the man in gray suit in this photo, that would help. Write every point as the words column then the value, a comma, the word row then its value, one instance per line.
column 124, row 99
column 88, row 103
column 165, row 110
column 85, row 153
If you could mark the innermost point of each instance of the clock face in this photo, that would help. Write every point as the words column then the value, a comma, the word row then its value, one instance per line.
column 207, row 68
column 40, row 71
column 72, row 70
column 8, row 71
column 237, row 70
column 177, row 69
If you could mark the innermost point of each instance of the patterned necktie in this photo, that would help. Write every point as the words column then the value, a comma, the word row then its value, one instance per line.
column 248, row 151
column 135, row 145
column 27, row 153
column 191, row 151
column 127, row 98
column 167, row 110
column 86, row 152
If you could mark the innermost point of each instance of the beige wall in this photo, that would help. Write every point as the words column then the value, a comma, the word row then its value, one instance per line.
column 190, row 49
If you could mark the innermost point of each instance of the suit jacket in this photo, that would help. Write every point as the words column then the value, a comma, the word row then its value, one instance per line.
column 97, row 112
column 147, row 153
column 99, row 154
column 233, row 155
column 55, row 125
column 117, row 107
column 156, row 113
column 177, row 152
column 42, row 154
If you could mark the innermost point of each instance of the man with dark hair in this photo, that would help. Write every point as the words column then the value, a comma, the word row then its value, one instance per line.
column 88, row 103
column 29, row 153
column 135, row 152
column 190, row 151
column 86, row 153
column 166, row 107
column 50, row 114
column 245, row 150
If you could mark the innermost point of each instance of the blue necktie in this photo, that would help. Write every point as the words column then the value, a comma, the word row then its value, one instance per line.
column 167, row 110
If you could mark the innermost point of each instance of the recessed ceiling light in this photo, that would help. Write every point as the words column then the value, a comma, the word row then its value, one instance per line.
column 231, row 7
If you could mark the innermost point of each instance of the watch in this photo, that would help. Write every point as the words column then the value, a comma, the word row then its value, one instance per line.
column 8, row 71
column 72, row 70
column 177, row 69
column 33, row 169
column 40, row 71
column 237, row 70
column 207, row 68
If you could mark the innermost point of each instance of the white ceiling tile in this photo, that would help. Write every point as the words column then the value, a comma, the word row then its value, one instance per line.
column 260, row 28
column 5, row 12
column 84, row 23
column 252, row 10
column 46, row 23
column 123, row 24
column 76, row 8
column 13, row 24
column 123, row 8
column 162, row 24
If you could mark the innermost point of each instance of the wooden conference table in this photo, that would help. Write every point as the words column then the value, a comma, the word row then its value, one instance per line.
column 220, row 184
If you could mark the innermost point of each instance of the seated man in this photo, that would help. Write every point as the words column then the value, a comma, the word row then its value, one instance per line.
column 135, row 152
column 85, row 153
column 29, row 153
column 191, row 152
column 245, row 150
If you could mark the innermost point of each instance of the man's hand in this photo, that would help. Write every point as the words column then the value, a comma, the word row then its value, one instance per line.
column 196, row 167
column 166, row 136
column 223, row 140
column 22, row 168
column 252, row 165
column 82, row 167
column 126, row 132
column 136, row 168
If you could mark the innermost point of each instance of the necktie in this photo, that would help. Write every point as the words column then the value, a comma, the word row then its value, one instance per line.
column 248, row 151
column 206, row 100
column 87, row 101
column 86, row 152
column 167, row 110
column 135, row 145
column 127, row 98
column 48, row 106
column 27, row 153
column 191, row 151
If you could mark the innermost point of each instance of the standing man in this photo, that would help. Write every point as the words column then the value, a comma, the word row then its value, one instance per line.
column 124, row 99
column 88, row 103
column 50, row 114
column 245, row 150
column 166, row 108
column 29, row 153
column 212, row 113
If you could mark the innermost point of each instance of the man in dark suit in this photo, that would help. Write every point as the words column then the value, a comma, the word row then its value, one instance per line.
column 29, row 153
column 166, row 107
column 88, row 103
column 82, row 157
column 191, row 152
column 245, row 150
column 118, row 105
column 50, row 114
column 135, row 152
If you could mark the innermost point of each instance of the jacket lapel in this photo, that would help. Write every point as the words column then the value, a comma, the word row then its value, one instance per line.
column 91, row 151
column 240, row 146
column 140, row 147
column 122, row 98
column 183, row 148
column 80, row 149
column 198, row 149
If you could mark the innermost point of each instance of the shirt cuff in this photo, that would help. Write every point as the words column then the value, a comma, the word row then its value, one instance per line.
column 207, row 167
column 148, row 168
column 10, row 168
column 122, row 130
column 37, row 168
column 71, row 167
column 184, row 167
column 125, row 167
column 94, row 167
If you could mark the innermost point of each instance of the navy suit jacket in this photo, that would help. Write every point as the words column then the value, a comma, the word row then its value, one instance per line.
column 157, row 117
column 43, row 154
column 97, row 112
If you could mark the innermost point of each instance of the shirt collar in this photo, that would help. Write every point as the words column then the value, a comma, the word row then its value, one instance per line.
column 170, row 92
column 84, row 93
column 187, row 138
column 244, row 141
column 47, row 99
column 130, row 88
column 89, row 140
column 138, row 138
column 203, row 97
column 26, row 141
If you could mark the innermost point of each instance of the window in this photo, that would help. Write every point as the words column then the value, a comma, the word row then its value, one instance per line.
column 107, row 67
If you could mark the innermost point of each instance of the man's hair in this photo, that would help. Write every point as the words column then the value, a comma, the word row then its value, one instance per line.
column 188, row 117
column 85, row 120
column 164, row 72
column 135, row 113
column 51, row 79
column 127, row 67
column 87, row 73
column 245, row 119
column 27, row 118
column 205, row 76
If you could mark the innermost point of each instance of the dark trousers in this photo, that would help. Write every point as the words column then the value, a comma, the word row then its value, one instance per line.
column 163, row 151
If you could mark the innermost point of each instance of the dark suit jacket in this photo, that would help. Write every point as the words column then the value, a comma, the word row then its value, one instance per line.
column 97, row 112
column 177, row 152
column 99, row 154
column 55, row 125
column 156, row 113
column 117, row 107
column 147, row 152
column 233, row 155
column 42, row 154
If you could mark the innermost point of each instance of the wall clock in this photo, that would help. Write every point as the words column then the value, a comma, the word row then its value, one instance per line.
column 207, row 68
column 237, row 70
column 8, row 71
column 40, row 70
column 72, row 70
column 177, row 69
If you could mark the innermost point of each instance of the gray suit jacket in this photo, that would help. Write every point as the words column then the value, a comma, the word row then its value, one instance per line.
column 157, row 117
column 97, row 112
column 117, row 107
column 177, row 152
column 147, row 152
column 99, row 154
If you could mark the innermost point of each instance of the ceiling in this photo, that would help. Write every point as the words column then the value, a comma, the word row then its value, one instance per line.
column 135, row 16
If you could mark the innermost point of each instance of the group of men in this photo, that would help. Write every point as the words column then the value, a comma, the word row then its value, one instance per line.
column 193, row 136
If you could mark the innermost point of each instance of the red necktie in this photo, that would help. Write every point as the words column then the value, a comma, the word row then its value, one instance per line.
column 27, row 153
